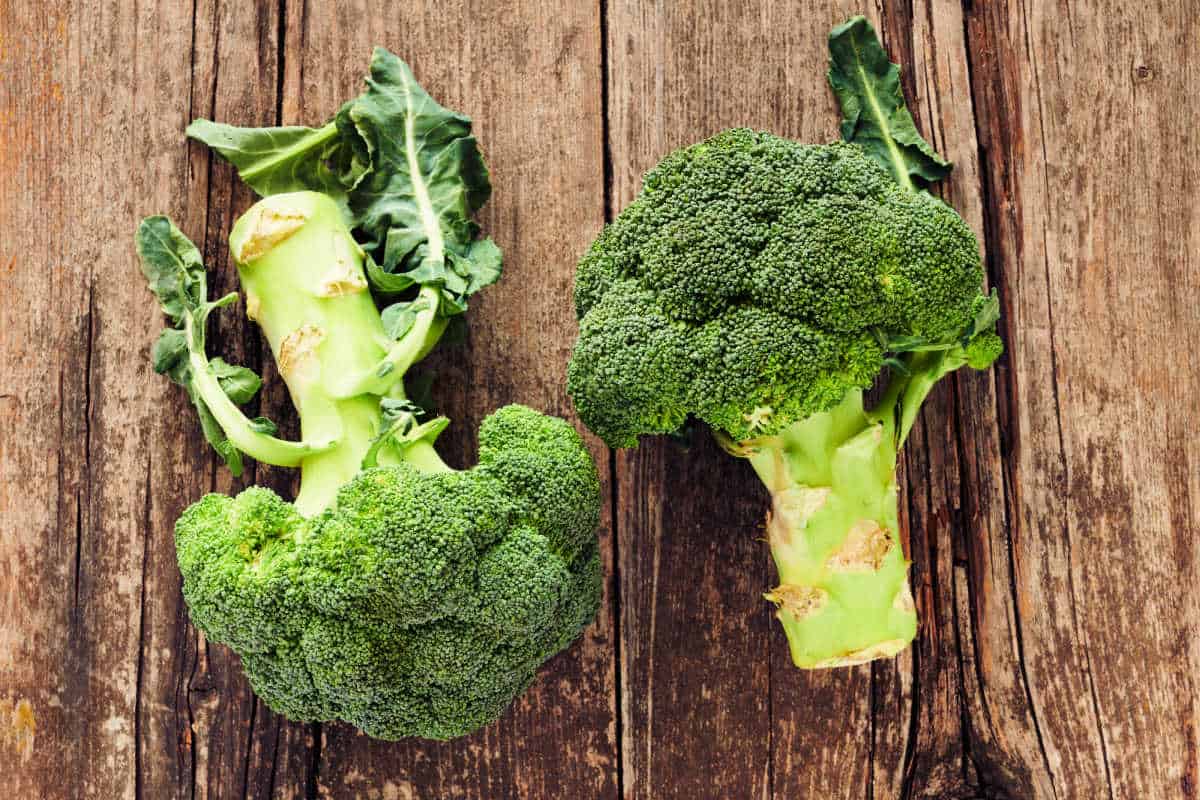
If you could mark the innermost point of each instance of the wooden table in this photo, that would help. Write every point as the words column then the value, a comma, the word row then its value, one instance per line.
column 1052, row 504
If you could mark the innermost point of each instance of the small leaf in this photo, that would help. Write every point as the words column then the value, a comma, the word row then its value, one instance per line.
column 397, row 417
column 399, row 318
column 393, row 408
column 264, row 426
column 874, row 115
column 172, row 266
column 170, row 354
column 288, row 159
column 240, row 384
column 386, row 283
column 987, row 314
column 216, row 436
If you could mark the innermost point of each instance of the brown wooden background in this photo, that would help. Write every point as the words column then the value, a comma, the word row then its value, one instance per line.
column 1052, row 504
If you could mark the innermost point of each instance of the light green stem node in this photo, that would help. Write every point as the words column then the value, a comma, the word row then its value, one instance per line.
column 843, row 595
column 303, row 276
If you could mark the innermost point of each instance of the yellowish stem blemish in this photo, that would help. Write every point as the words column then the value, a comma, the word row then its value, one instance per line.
column 346, row 277
column 885, row 649
column 270, row 221
column 798, row 601
column 298, row 352
column 866, row 546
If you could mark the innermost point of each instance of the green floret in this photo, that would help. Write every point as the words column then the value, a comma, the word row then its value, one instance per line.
column 763, row 274
column 983, row 350
column 395, row 593
column 761, row 286
column 237, row 556
column 543, row 463
column 421, row 603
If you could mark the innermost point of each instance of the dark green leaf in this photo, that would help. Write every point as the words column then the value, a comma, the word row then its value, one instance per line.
column 216, row 436
column 240, row 384
column 428, row 176
column 170, row 355
column 867, row 86
column 289, row 159
column 386, row 283
column 481, row 267
column 172, row 266
column 407, row 170
column 175, row 272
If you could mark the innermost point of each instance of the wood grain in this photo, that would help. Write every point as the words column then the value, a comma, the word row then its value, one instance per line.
column 1095, row 246
column 1051, row 505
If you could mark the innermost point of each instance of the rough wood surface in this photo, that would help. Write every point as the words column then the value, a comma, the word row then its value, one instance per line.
column 1052, row 505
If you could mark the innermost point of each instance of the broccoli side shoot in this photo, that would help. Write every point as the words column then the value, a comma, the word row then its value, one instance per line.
column 396, row 593
column 762, row 285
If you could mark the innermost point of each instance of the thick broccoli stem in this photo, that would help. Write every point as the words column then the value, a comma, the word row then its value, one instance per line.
column 843, row 595
column 303, row 277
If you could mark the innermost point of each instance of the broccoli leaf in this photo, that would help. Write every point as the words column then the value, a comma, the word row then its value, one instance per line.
column 264, row 425
column 867, row 86
column 399, row 318
column 240, row 384
column 400, row 428
column 987, row 314
column 176, row 274
column 428, row 174
column 172, row 266
column 406, row 170
column 289, row 159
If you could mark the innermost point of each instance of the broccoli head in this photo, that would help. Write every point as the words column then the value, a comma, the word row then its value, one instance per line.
column 396, row 593
column 755, row 281
column 421, row 603
column 761, row 285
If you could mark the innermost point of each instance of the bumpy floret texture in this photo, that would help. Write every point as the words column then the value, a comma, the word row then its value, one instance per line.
column 752, row 282
column 421, row 604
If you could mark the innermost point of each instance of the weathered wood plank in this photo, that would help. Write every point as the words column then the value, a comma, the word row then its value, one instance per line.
column 973, row 731
column 90, row 121
column 130, row 703
column 1095, row 238
column 528, row 73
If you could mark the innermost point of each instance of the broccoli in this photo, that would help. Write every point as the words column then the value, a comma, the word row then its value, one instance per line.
column 762, row 286
column 396, row 593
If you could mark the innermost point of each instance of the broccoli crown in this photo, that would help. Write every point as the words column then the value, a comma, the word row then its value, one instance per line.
column 754, row 281
column 422, row 603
